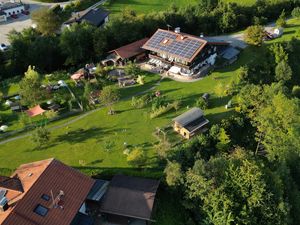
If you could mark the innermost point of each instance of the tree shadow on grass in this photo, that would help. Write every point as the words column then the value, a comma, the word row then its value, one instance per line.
column 217, row 102
column 109, row 172
column 290, row 32
column 81, row 135
column 164, row 92
column 217, row 117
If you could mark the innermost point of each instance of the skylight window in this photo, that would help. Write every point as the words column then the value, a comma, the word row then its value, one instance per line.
column 41, row 210
column 165, row 41
column 45, row 197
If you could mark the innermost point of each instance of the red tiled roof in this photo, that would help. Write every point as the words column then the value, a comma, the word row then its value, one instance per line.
column 131, row 50
column 55, row 177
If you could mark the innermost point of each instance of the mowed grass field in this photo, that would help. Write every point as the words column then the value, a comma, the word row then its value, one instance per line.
column 97, row 140
column 84, row 143
column 147, row 6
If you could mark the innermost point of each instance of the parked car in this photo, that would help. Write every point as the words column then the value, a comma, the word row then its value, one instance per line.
column 26, row 12
column 3, row 47
column 14, row 16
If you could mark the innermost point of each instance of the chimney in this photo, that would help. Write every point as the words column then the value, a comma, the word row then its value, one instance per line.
column 3, row 204
column 177, row 30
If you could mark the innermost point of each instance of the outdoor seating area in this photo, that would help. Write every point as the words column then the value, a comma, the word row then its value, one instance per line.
column 85, row 73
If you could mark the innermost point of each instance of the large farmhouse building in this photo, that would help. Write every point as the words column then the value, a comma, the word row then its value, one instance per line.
column 181, row 53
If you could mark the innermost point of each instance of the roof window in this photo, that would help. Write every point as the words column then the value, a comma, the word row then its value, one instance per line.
column 45, row 197
column 41, row 210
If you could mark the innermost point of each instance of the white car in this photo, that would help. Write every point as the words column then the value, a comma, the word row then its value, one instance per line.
column 3, row 47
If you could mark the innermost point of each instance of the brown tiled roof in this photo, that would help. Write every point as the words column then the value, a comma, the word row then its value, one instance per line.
column 130, row 196
column 131, row 50
column 11, row 183
column 48, row 175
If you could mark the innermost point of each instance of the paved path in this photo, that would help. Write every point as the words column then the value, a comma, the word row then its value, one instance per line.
column 237, row 40
column 79, row 117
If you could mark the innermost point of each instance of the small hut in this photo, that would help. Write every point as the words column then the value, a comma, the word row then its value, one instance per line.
column 190, row 123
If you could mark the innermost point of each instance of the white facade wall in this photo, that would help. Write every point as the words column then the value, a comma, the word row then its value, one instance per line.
column 16, row 10
column 3, row 18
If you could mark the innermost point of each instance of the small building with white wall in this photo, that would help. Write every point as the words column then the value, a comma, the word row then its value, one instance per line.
column 2, row 17
column 10, row 8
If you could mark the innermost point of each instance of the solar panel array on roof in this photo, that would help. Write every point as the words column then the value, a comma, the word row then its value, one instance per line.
column 171, row 43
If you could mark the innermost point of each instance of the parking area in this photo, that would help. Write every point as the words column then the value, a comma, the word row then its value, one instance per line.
column 23, row 21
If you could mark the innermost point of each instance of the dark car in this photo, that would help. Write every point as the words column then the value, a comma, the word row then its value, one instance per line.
column 26, row 12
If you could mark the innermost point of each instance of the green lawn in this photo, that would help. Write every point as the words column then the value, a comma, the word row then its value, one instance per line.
column 147, row 6
column 242, row 2
column 85, row 144
column 82, row 144
column 144, row 6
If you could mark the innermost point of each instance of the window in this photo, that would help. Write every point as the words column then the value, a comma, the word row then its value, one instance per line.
column 45, row 197
column 41, row 210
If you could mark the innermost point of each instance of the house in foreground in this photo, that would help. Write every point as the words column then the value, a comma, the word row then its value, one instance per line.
column 96, row 17
column 49, row 192
column 183, row 54
column 190, row 123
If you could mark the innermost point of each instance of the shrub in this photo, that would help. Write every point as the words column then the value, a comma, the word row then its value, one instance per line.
column 137, row 157
column 140, row 79
column 296, row 12
column 141, row 102
column 280, row 22
column 50, row 114
column 173, row 174
column 201, row 103
column 164, row 109
column 41, row 136
column 296, row 91
column 283, row 72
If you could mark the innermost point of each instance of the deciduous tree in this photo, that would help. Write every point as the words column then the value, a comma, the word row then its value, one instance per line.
column 254, row 35
column 109, row 95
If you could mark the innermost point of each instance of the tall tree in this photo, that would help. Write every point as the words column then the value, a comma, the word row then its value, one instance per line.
column 234, row 190
column 254, row 35
column 47, row 20
column 283, row 72
column 278, row 123
column 77, row 43
column 30, row 87
column 109, row 95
